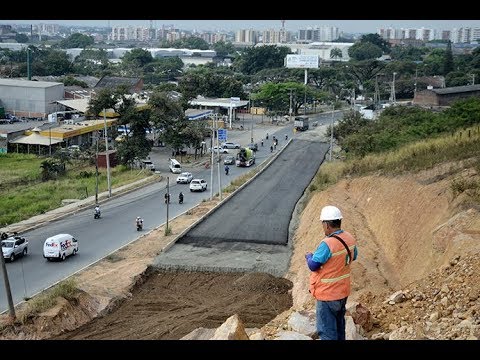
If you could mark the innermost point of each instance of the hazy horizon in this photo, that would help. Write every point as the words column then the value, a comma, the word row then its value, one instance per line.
column 348, row 26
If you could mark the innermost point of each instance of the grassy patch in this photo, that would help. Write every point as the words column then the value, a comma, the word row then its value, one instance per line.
column 24, row 195
column 114, row 258
column 66, row 289
column 413, row 157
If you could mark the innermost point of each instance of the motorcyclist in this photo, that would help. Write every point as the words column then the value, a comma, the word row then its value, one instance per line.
column 139, row 222
column 180, row 198
column 97, row 211
column 226, row 169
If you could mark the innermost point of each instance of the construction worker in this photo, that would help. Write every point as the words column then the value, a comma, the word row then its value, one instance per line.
column 330, row 274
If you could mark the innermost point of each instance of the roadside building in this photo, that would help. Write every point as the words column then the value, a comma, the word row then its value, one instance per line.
column 445, row 96
column 30, row 99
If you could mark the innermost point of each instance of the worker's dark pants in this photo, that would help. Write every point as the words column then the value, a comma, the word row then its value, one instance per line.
column 331, row 319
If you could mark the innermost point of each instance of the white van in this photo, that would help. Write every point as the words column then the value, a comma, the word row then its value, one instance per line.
column 59, row 247
column 175, row 166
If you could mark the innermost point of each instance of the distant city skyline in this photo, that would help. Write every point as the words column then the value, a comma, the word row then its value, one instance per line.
column 347, row 26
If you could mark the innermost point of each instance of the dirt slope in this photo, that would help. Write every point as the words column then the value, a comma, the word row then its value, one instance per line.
column 412, row 236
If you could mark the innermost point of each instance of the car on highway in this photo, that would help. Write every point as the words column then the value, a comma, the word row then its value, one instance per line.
column 220, row 149
column 230, row 145
column 198, row 185
column 184, row 178
column 229, row 160
column 13, row 247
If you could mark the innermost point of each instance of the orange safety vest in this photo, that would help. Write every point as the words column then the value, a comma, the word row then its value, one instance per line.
column 332, row 280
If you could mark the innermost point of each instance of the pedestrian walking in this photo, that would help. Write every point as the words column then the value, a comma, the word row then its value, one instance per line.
column 266, row 136
column 330, row 281
column 261, row 142
column 271, row 148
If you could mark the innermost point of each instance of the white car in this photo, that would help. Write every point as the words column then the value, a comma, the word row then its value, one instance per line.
column 14, row 247
column 220, row 149
column 230, row 145
column 198, row 185
column 184, row 178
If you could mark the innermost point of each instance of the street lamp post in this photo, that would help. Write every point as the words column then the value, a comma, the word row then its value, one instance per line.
column 331, row 130
column 96, row 168
column 167, row 197
column 107, row 153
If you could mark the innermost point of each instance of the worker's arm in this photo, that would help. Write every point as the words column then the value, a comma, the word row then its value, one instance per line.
column 319, row 257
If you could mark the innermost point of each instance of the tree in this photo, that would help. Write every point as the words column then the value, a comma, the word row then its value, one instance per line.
column 136, row 145
column 254, row 59
column 276, row 97
column 51, row 169
column 168, row 115
column 192, row 42
column 364, row 51
column 376, row 40
column 134, row 61
column 21, row 38
column 163, row 69
column 91, row 62
column 336, row 53
column 210, row 82
column 76, row 40
column 352, row 122
column 223, row 48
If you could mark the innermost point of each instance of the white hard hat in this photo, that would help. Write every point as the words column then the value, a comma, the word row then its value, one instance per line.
column 330, row 213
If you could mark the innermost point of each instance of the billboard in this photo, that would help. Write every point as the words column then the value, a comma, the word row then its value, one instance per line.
column 302, row 61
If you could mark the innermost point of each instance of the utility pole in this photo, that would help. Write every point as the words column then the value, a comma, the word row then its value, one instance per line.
column 211, row 155
column 167, row 198
column 107, row 154
column 29, row 75
column 218, row 162
column 291, row 109
column 8, row 291
column 392, row 95
column 331, row 133
column 50, row 139
column 96, row 167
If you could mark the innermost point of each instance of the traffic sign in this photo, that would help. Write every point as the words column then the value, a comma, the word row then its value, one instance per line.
column 222, row 134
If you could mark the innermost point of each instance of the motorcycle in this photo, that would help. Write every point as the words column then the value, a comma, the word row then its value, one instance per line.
column 139, row 225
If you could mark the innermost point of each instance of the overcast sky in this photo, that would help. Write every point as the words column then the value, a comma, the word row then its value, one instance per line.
column 349, row 26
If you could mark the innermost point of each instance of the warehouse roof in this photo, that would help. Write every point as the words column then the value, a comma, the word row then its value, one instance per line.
column 29, row 83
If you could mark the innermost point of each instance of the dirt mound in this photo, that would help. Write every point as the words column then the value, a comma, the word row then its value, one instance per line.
column 254, row 282
column 169, row 305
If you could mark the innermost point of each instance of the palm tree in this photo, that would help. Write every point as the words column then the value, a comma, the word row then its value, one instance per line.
column 336, row 53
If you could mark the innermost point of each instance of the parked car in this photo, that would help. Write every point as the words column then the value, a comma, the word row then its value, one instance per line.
column 198, row 185
column 184, row 178
column 74, row 148
column 13, row 247
column 231, row 145
column 220, row 149
column 229, row 160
